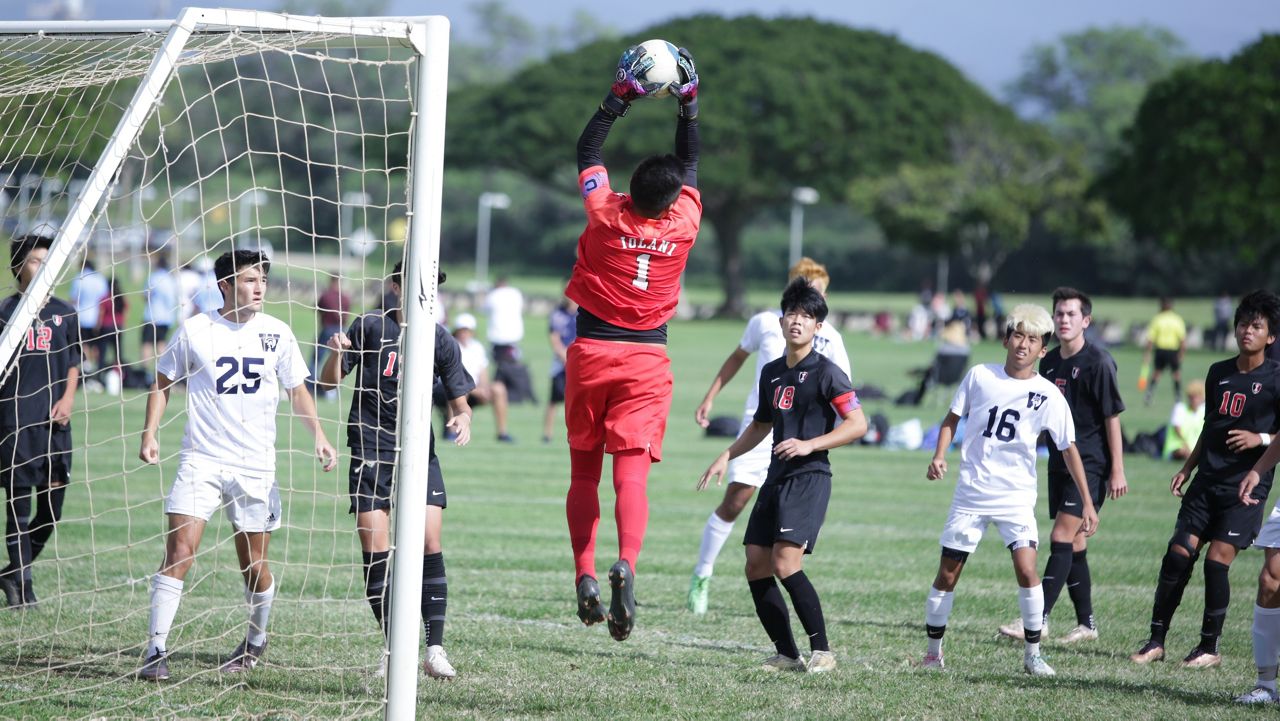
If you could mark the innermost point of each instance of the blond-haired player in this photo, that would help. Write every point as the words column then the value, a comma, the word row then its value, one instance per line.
column 762, row 336
column 1005, row 409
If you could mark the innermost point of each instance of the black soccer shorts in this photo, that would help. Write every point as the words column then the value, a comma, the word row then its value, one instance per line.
column 369, row 484
column 1212, row 511
column 557, row 388
column 791, row 510
column 1167, row 359
column 1064, row 498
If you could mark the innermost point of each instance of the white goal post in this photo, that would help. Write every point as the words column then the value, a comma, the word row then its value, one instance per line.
column 159, row 156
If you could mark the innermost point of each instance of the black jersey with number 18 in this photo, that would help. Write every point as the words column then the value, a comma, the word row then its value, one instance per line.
column 802, row 402
column 1234, row 400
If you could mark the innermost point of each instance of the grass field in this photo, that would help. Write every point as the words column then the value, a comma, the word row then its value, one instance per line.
column 512, row 632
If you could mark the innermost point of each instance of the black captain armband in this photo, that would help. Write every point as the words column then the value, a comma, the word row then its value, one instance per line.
column 615, row 105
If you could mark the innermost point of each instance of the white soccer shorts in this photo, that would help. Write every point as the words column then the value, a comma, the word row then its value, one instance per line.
column 251, row 499
column 752, row 467
column 1269, row 536
column 964, row 530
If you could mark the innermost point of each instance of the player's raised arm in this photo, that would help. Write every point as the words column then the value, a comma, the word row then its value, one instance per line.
column 615, row 105
column 687, row 141
column 157, row 401
column 304, row 406
column 727, row 371
column 938, row 466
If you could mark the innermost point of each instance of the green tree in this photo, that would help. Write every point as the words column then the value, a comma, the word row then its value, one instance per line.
column 785, row 102
column 1086, row 86
column 983, row 205
column 1200, row 164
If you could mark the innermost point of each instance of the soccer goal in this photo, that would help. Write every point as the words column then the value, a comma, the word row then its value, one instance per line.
column 144, row 151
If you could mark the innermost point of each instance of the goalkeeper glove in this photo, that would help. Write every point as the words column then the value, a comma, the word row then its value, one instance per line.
column 687, row 91
column 625, row 85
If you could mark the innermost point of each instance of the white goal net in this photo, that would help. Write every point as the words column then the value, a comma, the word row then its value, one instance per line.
column 143, row 152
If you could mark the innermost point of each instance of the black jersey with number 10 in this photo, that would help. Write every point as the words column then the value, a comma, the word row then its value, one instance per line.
column 801, row 402
column 1234, row 400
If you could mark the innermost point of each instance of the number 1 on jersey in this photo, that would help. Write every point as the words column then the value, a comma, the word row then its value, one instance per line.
column 641, row 280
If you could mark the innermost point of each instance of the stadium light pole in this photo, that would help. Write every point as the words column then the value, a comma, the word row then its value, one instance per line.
column 485, row 206
column 800, row 197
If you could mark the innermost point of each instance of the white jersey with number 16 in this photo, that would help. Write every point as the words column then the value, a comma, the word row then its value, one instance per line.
column 234, row 373
column 1002, row 419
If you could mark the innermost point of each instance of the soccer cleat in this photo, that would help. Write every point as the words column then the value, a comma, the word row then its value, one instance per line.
column 1150, row 651
column 699, row 590
column 821, row 662
column 622, row 604
column 1015, row 630
column 933, row 662
column 156, row 667
column 590, row 610
column 778, row 662
column 1200, row 658
column 1078, row 634
column 245, row 657
column 505, row 438
column 1036, row 666
column 1259, row 695
column 12, row 592
column 437, row 664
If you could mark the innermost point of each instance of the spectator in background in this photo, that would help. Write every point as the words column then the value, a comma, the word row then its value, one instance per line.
column 505, row 308
column 939, row 312
column 1167, row 336
column 332, row 308
column 1185, row 423
column 487, row 392
column 980, row 309
column 160, row 312
column 1223, row 312
column 208, row 298
column 960, row 311
column 563, row 327
column 88, row 289
column 190, row 281
column 112, row 310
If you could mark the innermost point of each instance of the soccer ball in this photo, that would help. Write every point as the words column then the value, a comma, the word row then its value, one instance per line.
column 655, row 63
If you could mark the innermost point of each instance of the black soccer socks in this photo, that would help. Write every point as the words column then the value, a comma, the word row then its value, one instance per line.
column 1175, row 571
column 375, row 583
column 805, row 601
column 1080, row 586
column 1217, row 597
column 435, row 596
column 1056, row 570
column 772, row 611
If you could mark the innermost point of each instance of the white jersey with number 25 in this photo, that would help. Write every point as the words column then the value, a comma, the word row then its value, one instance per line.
column 1002, row 419
column 234, row 373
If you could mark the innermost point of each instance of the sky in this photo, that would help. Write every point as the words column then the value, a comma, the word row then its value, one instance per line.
column 986, row 39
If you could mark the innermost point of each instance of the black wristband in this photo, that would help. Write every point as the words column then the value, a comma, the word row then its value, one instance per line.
column 615, row 105
column 689, row 110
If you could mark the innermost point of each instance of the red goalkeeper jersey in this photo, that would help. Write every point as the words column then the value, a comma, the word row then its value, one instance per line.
column 628, row 268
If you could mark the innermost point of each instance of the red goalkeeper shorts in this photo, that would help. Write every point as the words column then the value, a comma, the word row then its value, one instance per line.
column 618, row 395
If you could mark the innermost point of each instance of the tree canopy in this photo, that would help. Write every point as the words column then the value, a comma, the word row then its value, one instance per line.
column 784, row 102
column 1200, row 164
column 1086, row 86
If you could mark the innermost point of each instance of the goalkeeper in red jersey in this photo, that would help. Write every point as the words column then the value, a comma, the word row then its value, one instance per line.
column 626, row 282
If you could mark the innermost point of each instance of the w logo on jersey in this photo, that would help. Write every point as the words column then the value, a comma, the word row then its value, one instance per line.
column 1035, row 400
column 269, row 341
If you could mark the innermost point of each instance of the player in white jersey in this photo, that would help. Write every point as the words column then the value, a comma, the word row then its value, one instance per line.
column 763, row 336
column 1005, row 409
column 235, row 362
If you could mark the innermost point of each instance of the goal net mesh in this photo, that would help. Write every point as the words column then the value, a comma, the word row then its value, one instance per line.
column 294, row 143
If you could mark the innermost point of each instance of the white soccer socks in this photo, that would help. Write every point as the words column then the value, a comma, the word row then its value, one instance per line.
column 714, row 535
column 1031, row 604
column 166, row 594
column 937, row 610
column 259, row 611
column 1266, row 644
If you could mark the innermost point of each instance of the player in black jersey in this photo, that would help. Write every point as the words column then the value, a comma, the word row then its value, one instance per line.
column 1241, row 411
column 35, row 423
column 801, row 396
column 372, row 347
column 1086, row 375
